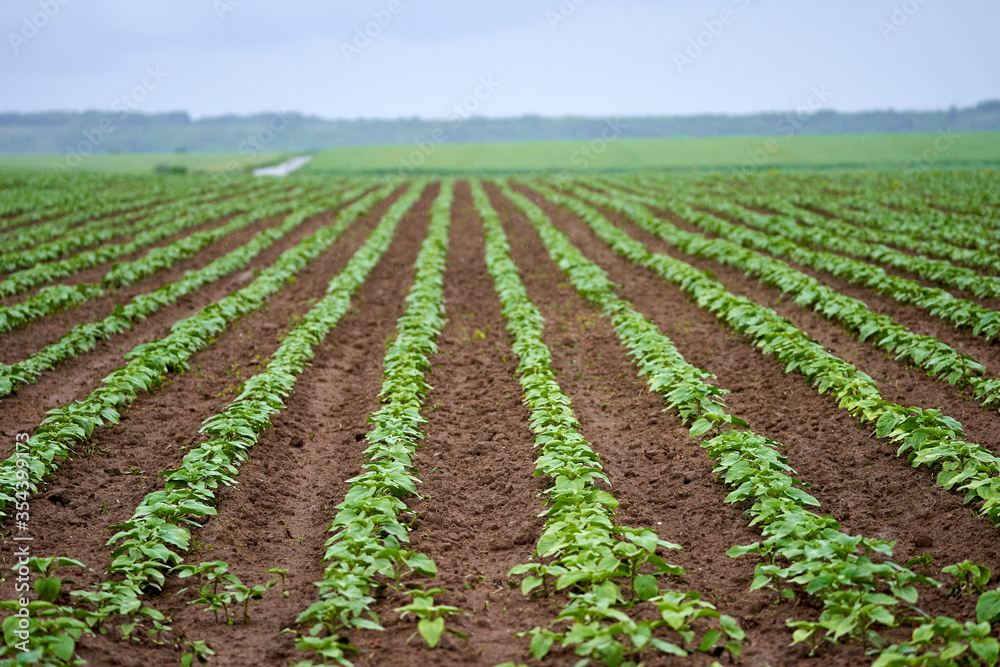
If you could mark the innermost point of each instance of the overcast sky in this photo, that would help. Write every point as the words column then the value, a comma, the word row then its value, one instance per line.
column 505, row 58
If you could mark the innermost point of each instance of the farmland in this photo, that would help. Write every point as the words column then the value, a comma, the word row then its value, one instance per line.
column 610, row 151
column 636, row 416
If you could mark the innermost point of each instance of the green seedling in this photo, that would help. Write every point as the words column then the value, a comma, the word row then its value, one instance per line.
column 211, row 575
column 196, row 652
column 972, row 578
column 281, row 573
column 431, row 623
column 47, row 586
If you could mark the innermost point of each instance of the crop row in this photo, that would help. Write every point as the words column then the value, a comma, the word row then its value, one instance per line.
column 151, row 544
column 84, row 336
column 39, row 274
column 932, row 355
column 931, row 269
column 56, row 298
column 926, row 437
column 148, row 545
column 800, row 547
column 141, row 216
column 93, row 217
column 937, row 302
column 369, row 541
column 939, row 209
column 927, row 224
column 82, row 196
column 983, row 259
column 70, row 426
column 585, row 552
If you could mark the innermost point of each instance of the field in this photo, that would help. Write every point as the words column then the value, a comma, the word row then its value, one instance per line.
column 646, row 417
column 742, row 153
column 438, row 155
column 138, row 163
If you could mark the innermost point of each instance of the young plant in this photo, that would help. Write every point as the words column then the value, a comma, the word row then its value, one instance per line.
column 431, row 623
column 972, row 578
column 196, row 652
column 211, row 575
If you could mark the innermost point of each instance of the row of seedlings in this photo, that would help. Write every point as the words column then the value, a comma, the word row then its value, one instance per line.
column 925, row 436
column 66, row 428
column 582, row 550
column 82, row 196
column 101, row 229
column 936, row 358
column 27, row 229
column 84, row 336
column 936, row 270
column 946, row 249
column 150, row 545
column 800, row 547
column 926, row 224
column 45, row 272
column 369, row 545
column 57, row 298
column 937, row 302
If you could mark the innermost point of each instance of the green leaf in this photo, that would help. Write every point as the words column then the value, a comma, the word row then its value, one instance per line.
column 47, row 588
column 988, row 649
column 431, row 629
column 529, row 584
column 422, row 564
column 699, row 427
column 885, row 424
column 988, row 607
column 801, row 635
column 540, row 645
column 667, row 647
column 737, row 551
column 62, row 646
column 708, row 641
column 646, row 539
column 645, row 586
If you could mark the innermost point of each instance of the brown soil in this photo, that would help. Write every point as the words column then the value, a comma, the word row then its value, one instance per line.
column 909, row 385
column 477, row 514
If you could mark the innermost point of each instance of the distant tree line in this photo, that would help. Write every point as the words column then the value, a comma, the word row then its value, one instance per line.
column 104, row 132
